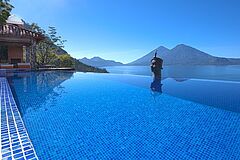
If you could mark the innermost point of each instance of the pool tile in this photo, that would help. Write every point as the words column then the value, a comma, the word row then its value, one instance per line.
column 15, row 143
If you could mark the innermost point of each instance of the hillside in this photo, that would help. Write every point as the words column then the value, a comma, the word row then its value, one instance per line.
column 79, row 66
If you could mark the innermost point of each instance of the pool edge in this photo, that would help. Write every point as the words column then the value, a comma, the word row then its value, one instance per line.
column 15, row 141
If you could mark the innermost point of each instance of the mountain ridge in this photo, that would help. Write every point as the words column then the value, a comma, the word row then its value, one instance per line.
column 99, row 62
column 184, row 55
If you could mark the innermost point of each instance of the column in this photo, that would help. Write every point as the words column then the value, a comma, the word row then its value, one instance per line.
column 33, row 54
column 27, row 54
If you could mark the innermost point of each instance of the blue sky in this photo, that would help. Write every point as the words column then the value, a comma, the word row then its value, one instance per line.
column 125, row 30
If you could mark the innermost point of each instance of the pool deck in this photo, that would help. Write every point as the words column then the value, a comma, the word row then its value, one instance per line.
column 15, row 142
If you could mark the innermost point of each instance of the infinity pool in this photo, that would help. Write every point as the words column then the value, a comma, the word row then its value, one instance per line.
column 104, row 116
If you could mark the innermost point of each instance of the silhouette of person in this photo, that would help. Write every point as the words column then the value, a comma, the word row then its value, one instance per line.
column 156, row 65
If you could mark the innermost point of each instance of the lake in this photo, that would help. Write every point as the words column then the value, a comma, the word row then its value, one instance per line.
column 229, row 73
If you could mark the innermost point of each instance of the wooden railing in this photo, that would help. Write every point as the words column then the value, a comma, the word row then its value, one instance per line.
column 10, row 30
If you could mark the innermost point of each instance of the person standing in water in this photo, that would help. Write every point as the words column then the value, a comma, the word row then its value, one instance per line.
column 156, row 66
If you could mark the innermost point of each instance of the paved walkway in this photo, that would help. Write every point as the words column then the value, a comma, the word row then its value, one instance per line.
column 15, row 142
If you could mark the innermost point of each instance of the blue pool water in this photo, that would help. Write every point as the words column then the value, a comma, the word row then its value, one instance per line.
column 99, row 116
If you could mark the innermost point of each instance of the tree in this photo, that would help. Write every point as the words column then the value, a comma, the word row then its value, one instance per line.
column 57, row 40
column 35, row 28
column 44, row 54
column 5, row 10
column 46, row 50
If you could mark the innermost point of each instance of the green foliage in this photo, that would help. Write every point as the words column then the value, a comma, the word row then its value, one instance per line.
column 44, row 54
column 64, row 60
column 5, row 10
